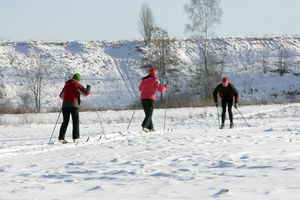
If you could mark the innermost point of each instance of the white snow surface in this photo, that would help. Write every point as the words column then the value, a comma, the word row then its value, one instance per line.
column 192, row 159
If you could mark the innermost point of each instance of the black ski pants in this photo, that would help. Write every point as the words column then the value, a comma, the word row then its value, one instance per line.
column 229, row 103
column 148, row 106
column 74, row 112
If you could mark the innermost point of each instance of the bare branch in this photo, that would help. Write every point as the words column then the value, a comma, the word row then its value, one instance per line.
column 146, row 23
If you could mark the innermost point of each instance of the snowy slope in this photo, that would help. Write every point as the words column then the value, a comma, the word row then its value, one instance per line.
column 195, row 160
column 113, row 68
column 92, row 60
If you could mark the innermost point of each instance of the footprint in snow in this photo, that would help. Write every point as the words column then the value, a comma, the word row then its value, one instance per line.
column 221, row 192
column 95, row 188
column 222, row 164
column 75, row 163
column 269, row 130
column 244, row 157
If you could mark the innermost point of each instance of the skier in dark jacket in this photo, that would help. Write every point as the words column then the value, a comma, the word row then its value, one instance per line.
column 148, row 87
column 227, row 93
column 70, row 95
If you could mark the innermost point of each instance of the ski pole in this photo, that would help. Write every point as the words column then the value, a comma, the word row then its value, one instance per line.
column 131, row 118
column 166, row 106
column 54, row 127
column 243, row 117
column 135, row 108
column 130, row 92
column 103, row 132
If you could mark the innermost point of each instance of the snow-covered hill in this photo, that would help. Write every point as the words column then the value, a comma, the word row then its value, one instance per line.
column 113, row 68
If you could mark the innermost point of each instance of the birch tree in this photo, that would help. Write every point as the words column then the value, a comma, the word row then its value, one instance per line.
column 146, row 23
column 204, row 15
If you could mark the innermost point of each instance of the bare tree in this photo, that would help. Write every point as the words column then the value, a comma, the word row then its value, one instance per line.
column 26, row 102
column 146, row 23
column 3, row 98
column 204, row 14
column 160, row 52
column 206, row 80
column 265, row 60
column 282, row 62
column 35, row 74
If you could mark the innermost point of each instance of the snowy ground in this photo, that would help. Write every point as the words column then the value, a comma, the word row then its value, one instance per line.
column 192, row 160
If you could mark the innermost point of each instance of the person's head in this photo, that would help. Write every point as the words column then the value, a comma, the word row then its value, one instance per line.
column 153, row 71
column 225, row 81
column 76, row 77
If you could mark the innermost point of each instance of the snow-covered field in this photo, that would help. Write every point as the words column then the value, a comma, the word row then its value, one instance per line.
column 193, row 159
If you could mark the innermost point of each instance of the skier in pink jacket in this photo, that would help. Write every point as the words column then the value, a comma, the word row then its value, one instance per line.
column 148, row 87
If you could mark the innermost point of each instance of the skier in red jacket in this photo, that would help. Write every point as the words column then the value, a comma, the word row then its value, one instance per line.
column 227, row 92
column 71, row 101
column 148, row 86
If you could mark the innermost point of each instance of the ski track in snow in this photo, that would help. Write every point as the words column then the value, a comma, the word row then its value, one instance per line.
column 194, row 161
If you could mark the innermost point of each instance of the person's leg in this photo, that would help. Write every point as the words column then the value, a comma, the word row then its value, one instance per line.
column 145, row 111
column 75, row 120
column 64, row 125
column 230, row 103
column 224, row 103
column 151, row 108
column 148, row 109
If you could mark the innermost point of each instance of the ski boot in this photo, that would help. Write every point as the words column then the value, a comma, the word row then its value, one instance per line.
column 145, row 130
column 63, row 141
column 77, row 141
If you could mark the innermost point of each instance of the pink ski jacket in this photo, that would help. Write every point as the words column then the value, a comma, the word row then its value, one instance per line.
column 148, row 87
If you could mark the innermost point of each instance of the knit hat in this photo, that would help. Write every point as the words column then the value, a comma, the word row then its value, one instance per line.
column 153, row 71
column 76, row 77
column 225, row 80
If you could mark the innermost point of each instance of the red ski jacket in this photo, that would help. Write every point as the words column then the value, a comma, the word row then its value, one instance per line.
column 71, row 93
column 148, row 87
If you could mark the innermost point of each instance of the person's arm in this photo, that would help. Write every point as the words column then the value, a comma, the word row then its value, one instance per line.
column 141, row 86
column 215, row 94
column 82, row 90
column 159, row 87
column 236, row 94
column 61, row 95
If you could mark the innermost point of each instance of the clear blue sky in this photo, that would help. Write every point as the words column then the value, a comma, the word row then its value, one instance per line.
column 117, row 19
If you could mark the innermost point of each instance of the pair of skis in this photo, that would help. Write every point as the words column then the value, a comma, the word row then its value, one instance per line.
column 76, row 142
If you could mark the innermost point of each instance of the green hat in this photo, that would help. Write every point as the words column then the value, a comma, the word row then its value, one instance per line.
column 76, row 77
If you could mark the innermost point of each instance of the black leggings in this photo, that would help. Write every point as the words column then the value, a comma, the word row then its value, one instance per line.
column 148, row 106
column 75, row 119
column 226, row 102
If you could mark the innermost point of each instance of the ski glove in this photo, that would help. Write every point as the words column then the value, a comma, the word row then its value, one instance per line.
column 235, row 105
column 88, row 87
